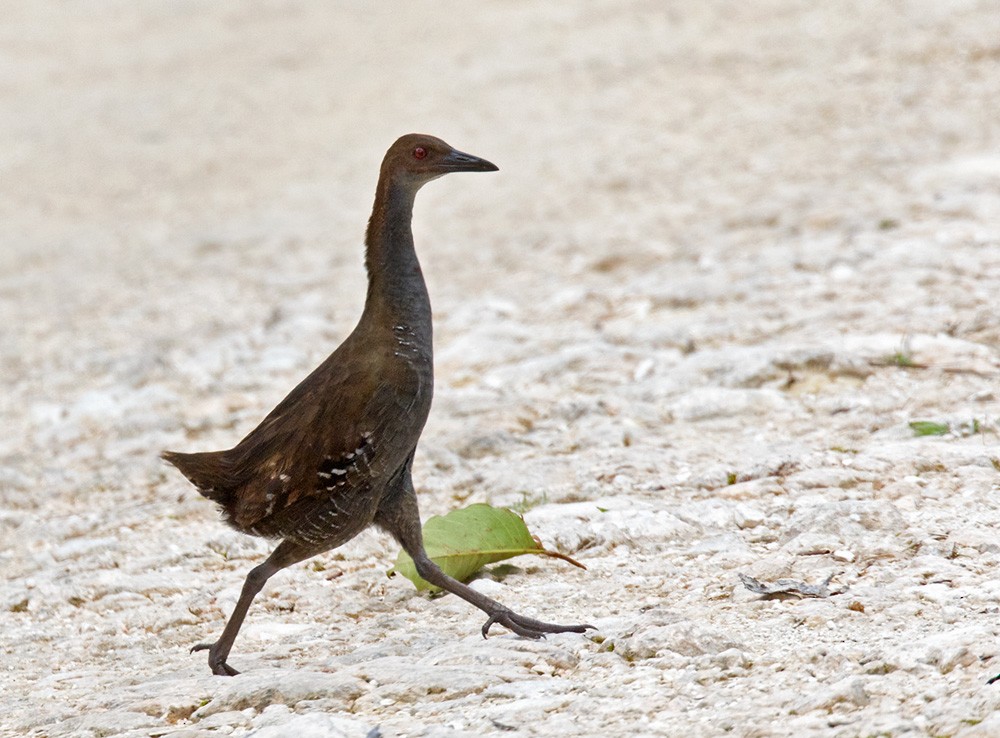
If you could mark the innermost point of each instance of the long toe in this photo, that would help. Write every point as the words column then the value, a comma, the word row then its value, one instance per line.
column 529, row 627
column 542, row 627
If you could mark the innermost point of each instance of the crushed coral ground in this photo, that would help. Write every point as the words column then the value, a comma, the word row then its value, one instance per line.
column 733, row 252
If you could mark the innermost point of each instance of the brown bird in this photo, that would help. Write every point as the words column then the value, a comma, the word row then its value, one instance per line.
column 335, row 455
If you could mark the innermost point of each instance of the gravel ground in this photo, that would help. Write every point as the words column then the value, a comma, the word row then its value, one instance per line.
column 733, row 252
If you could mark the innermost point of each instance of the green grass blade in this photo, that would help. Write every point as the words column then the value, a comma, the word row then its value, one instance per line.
column 929, row 428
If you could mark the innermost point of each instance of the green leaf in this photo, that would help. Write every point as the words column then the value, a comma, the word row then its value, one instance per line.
column 464, row 541
column 929, row 428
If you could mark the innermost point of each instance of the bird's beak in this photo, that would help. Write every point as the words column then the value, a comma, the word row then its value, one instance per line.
column 457, row 161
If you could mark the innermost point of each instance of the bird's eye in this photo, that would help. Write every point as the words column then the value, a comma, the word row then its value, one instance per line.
column 419, row 153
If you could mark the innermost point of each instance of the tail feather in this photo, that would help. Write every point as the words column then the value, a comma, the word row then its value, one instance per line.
column 209, row 471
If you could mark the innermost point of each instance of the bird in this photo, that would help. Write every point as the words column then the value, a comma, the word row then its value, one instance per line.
column 336, row 455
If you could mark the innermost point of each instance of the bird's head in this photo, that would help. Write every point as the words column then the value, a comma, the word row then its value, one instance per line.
column 417, row 159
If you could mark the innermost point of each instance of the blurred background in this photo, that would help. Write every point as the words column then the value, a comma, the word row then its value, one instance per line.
column 732, row 251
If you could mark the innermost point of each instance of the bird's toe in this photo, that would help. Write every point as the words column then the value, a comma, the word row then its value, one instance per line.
column 216, row 661
column 529, row 627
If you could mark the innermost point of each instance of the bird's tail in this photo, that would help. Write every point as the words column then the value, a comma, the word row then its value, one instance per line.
column 208, row 471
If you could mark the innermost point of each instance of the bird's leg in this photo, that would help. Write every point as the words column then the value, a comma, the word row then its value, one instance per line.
column 286, row 554
column 399, row 516
column 520, row 624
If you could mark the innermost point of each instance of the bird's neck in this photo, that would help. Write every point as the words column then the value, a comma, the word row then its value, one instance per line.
column 397, row 293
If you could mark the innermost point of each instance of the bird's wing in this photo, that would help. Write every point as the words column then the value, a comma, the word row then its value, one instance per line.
column 315, row 442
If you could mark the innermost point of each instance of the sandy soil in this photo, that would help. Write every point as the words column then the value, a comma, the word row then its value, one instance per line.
column 733, row 251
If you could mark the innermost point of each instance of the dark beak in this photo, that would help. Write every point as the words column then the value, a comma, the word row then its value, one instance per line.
column 457, row 161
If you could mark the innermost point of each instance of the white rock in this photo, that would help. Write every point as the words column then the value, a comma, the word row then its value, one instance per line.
column 263, row 688
column 719, row 402
column 850, row 691
column 747, row 516
column 953, row 648
column 315, row 725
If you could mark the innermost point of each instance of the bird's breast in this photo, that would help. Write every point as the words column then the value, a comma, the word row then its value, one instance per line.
column 412, row 366
column 411, row 351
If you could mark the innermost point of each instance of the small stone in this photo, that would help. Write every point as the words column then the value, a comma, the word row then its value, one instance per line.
column 262, row 689
column 847, row 691
column 731, row 658
column 746, row 516
column 226, row 718
column 316, row 725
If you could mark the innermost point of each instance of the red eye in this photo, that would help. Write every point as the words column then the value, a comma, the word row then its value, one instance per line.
column 419, row 153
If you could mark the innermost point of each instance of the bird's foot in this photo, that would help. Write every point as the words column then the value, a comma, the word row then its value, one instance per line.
column 529, row 627
column 216, row 661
